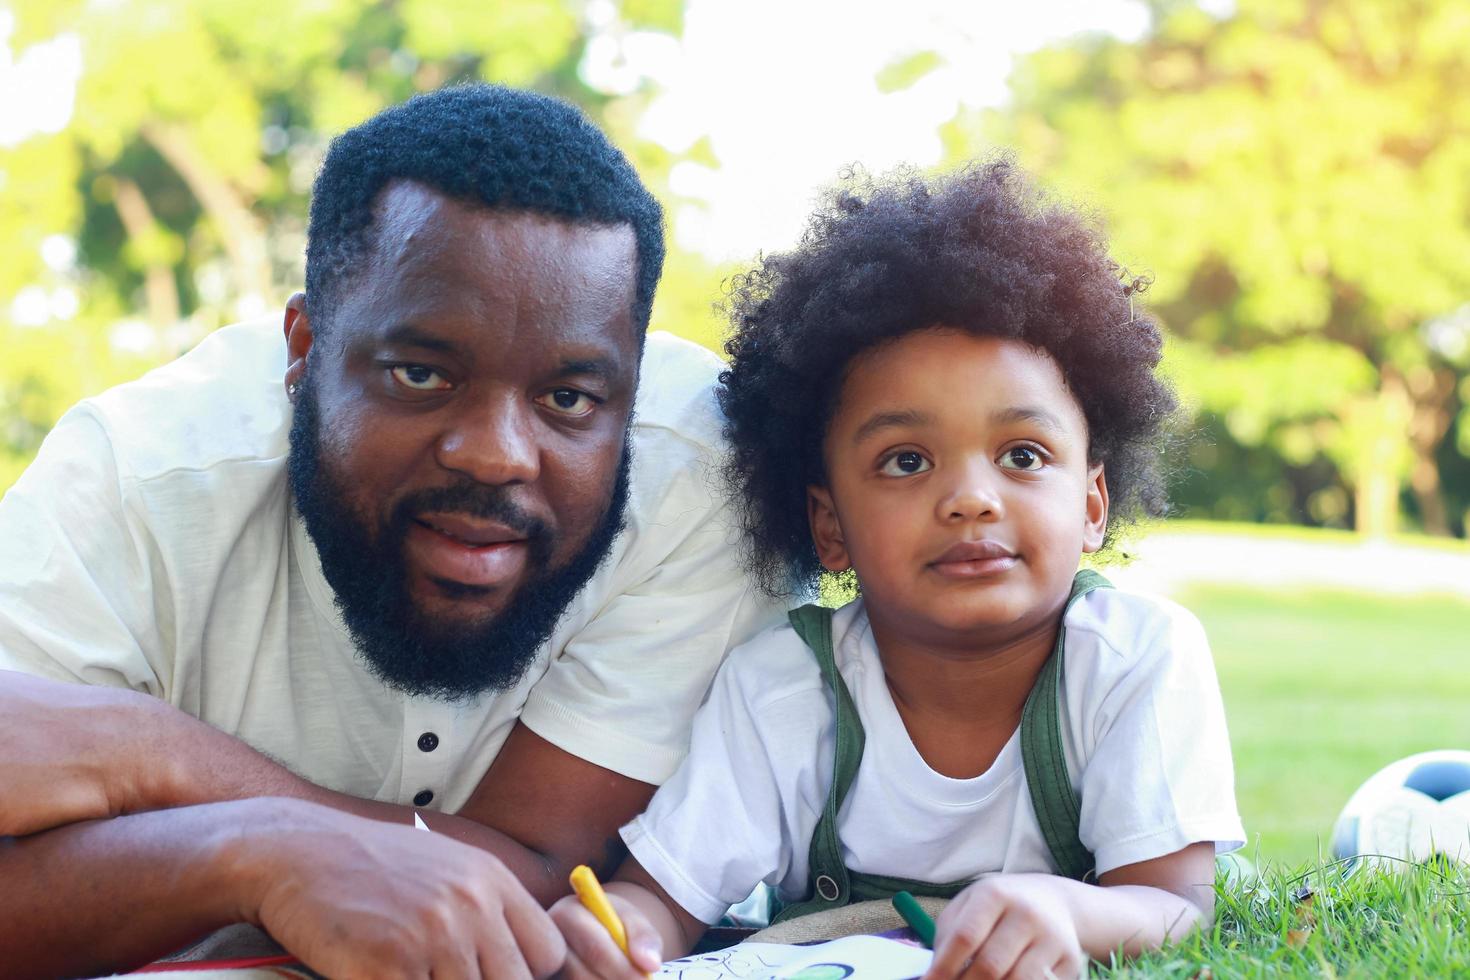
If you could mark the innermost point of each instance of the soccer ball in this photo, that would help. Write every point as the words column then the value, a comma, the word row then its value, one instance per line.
column 1414, row 809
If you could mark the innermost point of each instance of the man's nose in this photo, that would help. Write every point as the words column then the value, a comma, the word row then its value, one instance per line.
column 492, row 440
column 972, row 494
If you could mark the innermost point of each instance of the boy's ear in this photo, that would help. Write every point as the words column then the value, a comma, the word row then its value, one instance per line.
column 826, row 529
column 1095, row 525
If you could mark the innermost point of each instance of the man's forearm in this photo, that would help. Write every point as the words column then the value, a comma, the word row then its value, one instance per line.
column 212, row 766
column 347, row 896
column 102, row 896
column 75, row 753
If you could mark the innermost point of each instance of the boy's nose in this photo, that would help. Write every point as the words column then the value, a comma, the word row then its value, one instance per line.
column 972, row 496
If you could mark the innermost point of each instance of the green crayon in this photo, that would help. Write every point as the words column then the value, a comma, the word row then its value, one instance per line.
column 916, row 917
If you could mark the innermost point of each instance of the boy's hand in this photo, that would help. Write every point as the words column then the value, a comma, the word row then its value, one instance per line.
column 591, row 952
column 1013, row 926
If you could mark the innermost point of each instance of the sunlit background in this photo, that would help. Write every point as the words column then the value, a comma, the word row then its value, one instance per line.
column 1294, row 175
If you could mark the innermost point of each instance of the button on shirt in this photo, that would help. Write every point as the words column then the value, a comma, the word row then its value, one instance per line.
column 153, row 545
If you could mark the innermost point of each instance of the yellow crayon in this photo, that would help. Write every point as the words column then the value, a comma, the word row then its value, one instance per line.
column 590, row 892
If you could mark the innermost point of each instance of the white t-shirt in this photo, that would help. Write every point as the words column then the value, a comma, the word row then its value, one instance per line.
column 1143, row 732
column 153, row 545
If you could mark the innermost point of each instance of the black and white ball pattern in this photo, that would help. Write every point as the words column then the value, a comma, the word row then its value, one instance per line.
column 1414, row 809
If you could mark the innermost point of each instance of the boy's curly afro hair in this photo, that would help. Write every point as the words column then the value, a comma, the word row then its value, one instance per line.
column 981, row 250
column 489, row 145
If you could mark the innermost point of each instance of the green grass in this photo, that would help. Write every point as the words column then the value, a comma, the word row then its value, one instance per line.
column 1322, row 923
column 1321, row 690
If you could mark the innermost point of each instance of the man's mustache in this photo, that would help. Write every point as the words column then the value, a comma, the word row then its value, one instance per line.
column 471, row 500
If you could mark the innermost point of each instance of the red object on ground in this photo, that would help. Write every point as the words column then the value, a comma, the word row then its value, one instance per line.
column 247, row 963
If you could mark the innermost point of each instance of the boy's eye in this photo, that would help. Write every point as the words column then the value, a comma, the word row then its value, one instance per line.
column 568, row 401
column 1021, row 458
column 418, row 377
column 905, row 464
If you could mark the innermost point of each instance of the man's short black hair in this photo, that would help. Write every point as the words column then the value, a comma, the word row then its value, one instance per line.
column 981, row 250
column 482, row 144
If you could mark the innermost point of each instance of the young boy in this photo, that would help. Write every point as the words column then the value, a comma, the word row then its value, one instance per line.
column 945, row 390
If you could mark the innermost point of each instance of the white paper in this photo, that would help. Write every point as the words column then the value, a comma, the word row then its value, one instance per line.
column 853, row 958
column 418, row 822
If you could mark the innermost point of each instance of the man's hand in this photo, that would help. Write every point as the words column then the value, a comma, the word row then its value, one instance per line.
column 353, row 897
column 349, row 896
column 72, row 751
column 1015, row 926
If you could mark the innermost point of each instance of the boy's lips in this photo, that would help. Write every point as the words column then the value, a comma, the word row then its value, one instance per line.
column 974, row 559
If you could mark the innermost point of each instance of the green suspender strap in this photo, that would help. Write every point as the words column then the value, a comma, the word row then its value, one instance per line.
column 1052, row 796
column 833, row 885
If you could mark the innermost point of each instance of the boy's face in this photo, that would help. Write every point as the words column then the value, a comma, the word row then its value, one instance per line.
column 958, row 487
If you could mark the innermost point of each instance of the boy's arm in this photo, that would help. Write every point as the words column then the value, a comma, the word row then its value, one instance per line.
column 1169, row 896
column 1028, row 924
column 677, row 928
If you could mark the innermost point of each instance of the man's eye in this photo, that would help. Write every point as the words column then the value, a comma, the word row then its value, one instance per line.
column 905, row 464
column 419, row 378
column 568, row 401
column 1021, row 458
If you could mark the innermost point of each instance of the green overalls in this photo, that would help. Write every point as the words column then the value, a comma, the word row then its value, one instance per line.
column 1052, row 795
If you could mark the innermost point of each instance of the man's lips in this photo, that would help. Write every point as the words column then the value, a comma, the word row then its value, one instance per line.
column 469, row 530
column 972, row 559
column 465, row 550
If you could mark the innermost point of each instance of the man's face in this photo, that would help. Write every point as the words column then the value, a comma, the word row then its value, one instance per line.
column 459, row 448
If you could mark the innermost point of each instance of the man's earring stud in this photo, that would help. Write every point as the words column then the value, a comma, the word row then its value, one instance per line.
column 293, row 388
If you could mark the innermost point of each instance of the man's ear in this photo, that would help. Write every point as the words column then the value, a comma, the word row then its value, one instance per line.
column 826, row 529
column 1096, row 524
column 298, row 341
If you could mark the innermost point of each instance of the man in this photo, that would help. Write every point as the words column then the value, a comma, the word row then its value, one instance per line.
column 422, row 553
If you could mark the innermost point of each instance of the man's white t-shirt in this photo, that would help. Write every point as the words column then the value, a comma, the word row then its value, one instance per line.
column 1143, row 730
column 153, row 545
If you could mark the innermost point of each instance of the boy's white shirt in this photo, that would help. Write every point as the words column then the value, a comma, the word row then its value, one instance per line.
column 154, row 545
column 1143, row 731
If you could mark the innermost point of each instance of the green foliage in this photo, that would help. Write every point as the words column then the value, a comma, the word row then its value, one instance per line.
column 1297, row 179
column 37, row 197
column 520, row 40
column 904, row 72
column 688, row 301
column 655, row 15
column 1259, row 388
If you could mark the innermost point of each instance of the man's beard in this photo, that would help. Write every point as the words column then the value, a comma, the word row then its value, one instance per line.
column 365, row 568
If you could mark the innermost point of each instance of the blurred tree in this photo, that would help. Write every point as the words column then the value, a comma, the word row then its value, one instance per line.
column 1296, row 176
column 176, row 198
